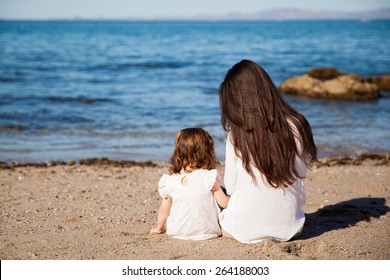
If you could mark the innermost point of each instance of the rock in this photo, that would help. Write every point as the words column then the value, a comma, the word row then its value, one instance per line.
column 344, row 87
column 303, row 85
column 383, row 82
column 350, row 87
column 324, row 73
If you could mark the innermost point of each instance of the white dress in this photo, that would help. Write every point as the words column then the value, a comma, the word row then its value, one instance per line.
column 194, row 211
column 257, row 211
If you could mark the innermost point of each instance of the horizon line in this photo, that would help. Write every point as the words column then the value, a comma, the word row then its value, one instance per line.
column 232, row 16
column 187, row 20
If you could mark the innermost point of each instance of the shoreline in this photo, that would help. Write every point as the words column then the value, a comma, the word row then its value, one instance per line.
column 103, row 161
column 379, row 159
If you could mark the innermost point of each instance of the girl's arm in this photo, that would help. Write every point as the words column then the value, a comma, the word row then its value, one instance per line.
column 163, row 214
column 221, row 198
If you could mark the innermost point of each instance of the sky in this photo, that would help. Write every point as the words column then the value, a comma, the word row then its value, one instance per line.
column 117, row 9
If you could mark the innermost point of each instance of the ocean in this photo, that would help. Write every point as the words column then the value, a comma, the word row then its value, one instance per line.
column 71, row 90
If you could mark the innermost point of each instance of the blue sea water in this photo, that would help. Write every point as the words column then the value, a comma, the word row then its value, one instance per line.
column 76, row 89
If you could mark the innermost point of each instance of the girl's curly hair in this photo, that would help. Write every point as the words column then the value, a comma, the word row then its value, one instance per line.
column 194, row 149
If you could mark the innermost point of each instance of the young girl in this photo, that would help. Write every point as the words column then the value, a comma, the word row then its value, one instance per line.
column 268, row 149
column 190, row 192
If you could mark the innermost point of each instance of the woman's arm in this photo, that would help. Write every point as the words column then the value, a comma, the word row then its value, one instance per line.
column 221, row 198
column 230, row 177
column 163, row 214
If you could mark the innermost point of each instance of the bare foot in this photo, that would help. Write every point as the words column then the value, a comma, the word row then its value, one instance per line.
column 156, row 231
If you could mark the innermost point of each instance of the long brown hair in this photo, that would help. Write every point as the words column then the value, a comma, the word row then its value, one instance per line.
column 262, row 126
column 194, row 149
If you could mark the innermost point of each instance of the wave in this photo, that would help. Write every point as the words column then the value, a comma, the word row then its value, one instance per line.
column 136, row 134
column 33, row 130
column 11, row 151
column 60, row 99
column 13, row 128
column 78, row 99
column 10, row 79
column 210, row 90
column 142, row 65
column 87, row 131
column 46, row 69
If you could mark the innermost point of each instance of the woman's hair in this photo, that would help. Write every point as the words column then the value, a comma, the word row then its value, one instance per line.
column 194, row 149
column 262, row 126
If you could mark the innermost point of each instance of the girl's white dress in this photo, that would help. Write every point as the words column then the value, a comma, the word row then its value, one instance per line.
column 257, row 211
column 194, row 211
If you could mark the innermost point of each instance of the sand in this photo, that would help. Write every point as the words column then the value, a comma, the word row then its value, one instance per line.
column 105, row 211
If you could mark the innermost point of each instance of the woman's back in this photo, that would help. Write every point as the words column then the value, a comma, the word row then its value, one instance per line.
column 257, row 210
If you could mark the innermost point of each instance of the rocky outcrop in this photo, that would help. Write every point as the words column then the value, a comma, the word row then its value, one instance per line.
column 383, row 82
column 324, row 73
column 328, row 83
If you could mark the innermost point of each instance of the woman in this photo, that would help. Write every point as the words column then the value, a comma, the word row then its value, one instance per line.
column 268, row 150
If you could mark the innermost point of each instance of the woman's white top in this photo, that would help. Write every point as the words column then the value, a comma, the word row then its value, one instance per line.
column 194, row 211
column 256, row 210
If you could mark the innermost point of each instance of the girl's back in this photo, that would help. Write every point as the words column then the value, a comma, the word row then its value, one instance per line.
column 194, row 211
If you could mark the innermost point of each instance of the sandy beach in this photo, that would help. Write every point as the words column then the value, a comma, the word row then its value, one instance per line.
column 101, row 210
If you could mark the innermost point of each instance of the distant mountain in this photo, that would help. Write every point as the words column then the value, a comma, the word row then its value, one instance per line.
column 273, row 14
column 299, row 14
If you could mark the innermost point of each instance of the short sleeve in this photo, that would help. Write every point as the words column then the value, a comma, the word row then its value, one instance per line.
column 210, row 179
column 163, row 186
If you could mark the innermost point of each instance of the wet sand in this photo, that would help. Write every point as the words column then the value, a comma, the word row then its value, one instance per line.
column 104, row 210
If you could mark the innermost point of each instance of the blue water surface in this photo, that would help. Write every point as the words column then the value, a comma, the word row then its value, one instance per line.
column 76, row 89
